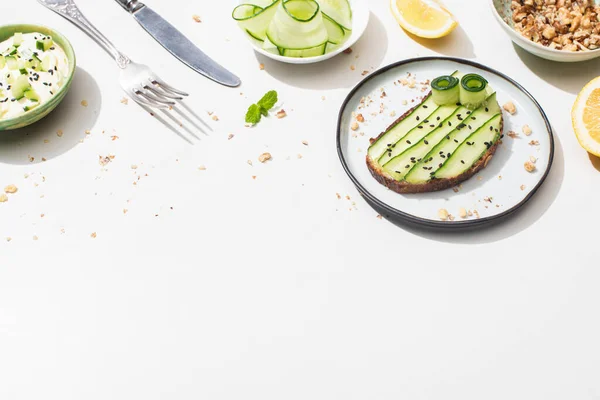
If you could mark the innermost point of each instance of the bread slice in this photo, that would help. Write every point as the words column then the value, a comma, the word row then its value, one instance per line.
column 436, row 184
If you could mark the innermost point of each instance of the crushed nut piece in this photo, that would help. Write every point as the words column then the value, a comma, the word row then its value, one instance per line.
column 443, row 214
column 84, row 103
column 281, row 114
column 512, row 134
column 532, row 159
column 304, row 142
column 360, row 118
column 462, row 213
column 354, row 126
column 522, row 187
column 249, row 162
column 348, row 50
column 133, row 166
column 299, row 156
column 59, row 133
column 339, row 196
column 35, row 237
column 215, row 118
column 8, row 239
column 202, row 168
column 196, row 18
column 379, row 216
column 125, row 100
column 113, row 138
column 230, row 136
column 3, row 198
column 529, row 166
column 10, row 189
column 261, row 66
column 264, row 157
column 93, row 235
column 365, row 72
column 534, row 143
column 527, row 130
column 510, row 108
column 352, row 67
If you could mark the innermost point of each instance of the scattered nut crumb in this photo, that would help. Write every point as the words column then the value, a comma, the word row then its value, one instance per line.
column 529, row 166
column 365, row 72
column 93, row 235
column 462, row 213
column 113, row 138
column 281, row 114
column 249, row 162
column 254, row 177
column 215, row 118
column 534, row 143
column 354, row 126
column 87, row 132
column 512, row 134
column 532, row 159
column 230, row 136
column 443, row 214
column 35, row 237
column 8, row 239
column 352, row 67
column 527, row 130
column 3, row 198
column 10, row 189
column 379, row 216
column 338, row 196
column 476, row 213
column 348, row 50
column 522, row 187
column 46, row 141
column 404, row 102
column 196, row 18
column 105, row 160
column 360, row 118
column 133, row 166
column 261, row 66
column 393, row 114
column 264, row 157
column 202, row 168
column 59, row 133
column 299, row 156
column 125, row 211
column 31, row 159
column 125, row 100
column 84, row 103
column 510, row 108
column 304, row 142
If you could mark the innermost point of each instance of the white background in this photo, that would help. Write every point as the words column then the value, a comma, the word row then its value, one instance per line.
column 273, row 288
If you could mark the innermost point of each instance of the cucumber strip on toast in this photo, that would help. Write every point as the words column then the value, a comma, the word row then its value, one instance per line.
column 425, row 127
column 452, row 133
column 437, row 157
column 471, row 150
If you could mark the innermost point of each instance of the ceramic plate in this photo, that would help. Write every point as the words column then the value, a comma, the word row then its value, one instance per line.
column 492, row 194
column 360, row 20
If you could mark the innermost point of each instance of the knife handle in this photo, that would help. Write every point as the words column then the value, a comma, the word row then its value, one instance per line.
column 130, row 5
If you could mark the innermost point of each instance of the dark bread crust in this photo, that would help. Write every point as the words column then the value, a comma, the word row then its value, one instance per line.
column 434, row 184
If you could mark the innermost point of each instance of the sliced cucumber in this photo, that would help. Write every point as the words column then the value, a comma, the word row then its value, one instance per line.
column 44, row 44
column 2, row 61
column 472, row 149
column 401, row 129
column 423, row 171
column 257, row 23
column 11, row 51
column 17, row 39
column 12, row 63
column 414, row 136
column 335, row 31
column 298, row 25
column 19, row 87
column 339, row 11
column 31, row 94
column 30, row 107
column 11, row 77
column 49, row 62
column 315, row 51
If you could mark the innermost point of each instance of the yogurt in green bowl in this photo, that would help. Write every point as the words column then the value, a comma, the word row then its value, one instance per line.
column 37, row 65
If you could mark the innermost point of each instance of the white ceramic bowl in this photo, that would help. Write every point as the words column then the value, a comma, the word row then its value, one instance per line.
column 360, row 20
column 501, row 10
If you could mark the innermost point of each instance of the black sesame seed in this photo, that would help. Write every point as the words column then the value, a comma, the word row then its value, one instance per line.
column 425, row 141
column 408, row 141
column 462, row 161
column 418, row 118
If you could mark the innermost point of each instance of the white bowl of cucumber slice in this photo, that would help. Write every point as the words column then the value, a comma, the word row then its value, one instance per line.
column 302, row 31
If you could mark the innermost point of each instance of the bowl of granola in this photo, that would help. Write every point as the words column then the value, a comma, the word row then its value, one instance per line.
column 557, row 30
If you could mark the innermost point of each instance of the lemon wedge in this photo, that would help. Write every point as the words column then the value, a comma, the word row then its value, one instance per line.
column 424, row 18
column 585, row 117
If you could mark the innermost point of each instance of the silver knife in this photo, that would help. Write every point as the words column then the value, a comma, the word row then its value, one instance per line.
column 177, row 44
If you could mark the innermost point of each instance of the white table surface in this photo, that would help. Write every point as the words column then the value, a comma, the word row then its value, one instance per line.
column 215, row 285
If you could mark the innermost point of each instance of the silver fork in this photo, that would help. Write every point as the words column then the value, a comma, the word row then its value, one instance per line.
column 137, row 80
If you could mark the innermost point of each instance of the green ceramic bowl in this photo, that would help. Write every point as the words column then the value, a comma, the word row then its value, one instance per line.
column 40, row 112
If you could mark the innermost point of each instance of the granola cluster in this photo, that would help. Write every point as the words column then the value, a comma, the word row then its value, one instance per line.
column 570, row 25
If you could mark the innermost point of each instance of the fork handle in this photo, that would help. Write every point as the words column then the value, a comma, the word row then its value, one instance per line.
column 69, row 10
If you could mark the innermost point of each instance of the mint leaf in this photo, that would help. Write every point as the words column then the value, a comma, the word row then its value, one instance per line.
column 264, row 111
column 253, row 115
column 268, row 101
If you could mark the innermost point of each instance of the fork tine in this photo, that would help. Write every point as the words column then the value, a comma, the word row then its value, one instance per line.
column 158, row 99
column 143, row 97
column 163, row 85
column 162, row 93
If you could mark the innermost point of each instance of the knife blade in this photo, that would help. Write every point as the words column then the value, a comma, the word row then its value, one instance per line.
column 181, row 47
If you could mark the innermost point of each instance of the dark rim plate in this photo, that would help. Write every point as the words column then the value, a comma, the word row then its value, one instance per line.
column 405, row 216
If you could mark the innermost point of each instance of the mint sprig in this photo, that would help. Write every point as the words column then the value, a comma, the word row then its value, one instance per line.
column 257, row 111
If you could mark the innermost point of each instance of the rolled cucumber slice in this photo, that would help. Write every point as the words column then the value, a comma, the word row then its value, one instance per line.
column 335, row 31
column 472, row 149
column 339, row 11
column 257, row 22
column 298, row 25
column 315, row 51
